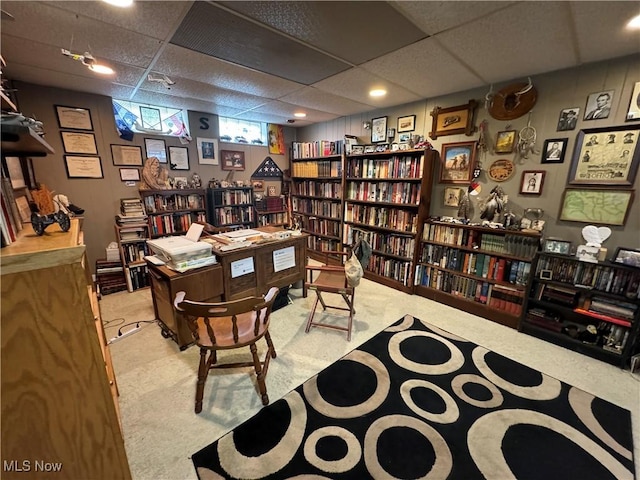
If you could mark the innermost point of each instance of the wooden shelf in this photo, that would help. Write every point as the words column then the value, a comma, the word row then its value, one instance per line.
column 18, row 140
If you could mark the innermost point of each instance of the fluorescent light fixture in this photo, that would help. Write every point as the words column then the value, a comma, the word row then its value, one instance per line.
column 119, row 3
column 634, row 23
column 378, row 92
column 300, row 114
column 101, row 69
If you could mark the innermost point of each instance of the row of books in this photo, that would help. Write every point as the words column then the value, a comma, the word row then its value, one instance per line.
column 10, row 217
column 318, row 189
column 316, row 243
column 392, row 192
column 320, row 148
column 600, row 277
column 174, row 222
column 163, row 203
column 316, row 169
column 272, row 218
column 478, row 264
column 270, row 204
column 407, row 166
column 612, row 306
column 232, row 197
column 233, row 215
column 110, row 277
column 399, row 245
column 137, row 277
column 500, row 297
column 391, row 218
column 309, row 206
column 387, row 267
column 135, row 251
column 321, row 226
column 557, row 294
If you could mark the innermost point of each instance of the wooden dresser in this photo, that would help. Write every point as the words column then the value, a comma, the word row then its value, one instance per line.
column 59, row 408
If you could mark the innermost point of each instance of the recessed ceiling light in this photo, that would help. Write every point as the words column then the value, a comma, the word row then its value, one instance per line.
column 378, row 92
column 634, row 22
column 102, row 69
column 119, row 3
column 300, row 114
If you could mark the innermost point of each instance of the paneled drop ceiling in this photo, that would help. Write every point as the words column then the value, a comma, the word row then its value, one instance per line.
column 266, row 60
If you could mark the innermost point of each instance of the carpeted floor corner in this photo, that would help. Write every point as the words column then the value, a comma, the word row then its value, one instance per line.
column 415, row 400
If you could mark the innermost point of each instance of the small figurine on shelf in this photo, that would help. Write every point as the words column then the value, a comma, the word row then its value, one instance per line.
column 154, row 177
column 196, row 181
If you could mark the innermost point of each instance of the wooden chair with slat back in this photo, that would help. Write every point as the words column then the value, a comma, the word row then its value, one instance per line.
column 229, row 325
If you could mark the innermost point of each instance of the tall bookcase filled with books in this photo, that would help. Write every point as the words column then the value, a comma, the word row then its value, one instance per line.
column 272, row 211
column 387, row 196
column 484, row 271
column 171, row 212
column 591, row 308
column 316, row 200
column 231, row 207
column 132, row 244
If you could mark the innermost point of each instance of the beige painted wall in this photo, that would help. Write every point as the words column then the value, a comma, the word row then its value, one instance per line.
column 101, row 197
column 556, row 91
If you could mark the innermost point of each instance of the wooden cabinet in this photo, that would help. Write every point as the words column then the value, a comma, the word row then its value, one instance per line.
column 484, row 271
column 59, row 396
column 316, row 201
column 201, row 284
column 387, row 198
column 231, row 207
column 132, row 244
column 591, row 308
column 171, row 212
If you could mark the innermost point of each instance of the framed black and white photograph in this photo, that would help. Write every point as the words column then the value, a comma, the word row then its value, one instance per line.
column 151, row 119
column 598, row 105
column 568, row 119
column 554, row 149
column 129, row 174
column 77, row 142
column 532, row 181
column 83, row 167
column 74, row 118
column 634, row 104
column 207, row 151
column 406, row 124
column 127, row 155
column 627, row 256
column 179, row 158
column 155, row 147
column 379, row 129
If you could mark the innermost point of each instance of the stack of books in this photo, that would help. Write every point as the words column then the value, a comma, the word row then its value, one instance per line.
column 110, row 277
column 131, row 211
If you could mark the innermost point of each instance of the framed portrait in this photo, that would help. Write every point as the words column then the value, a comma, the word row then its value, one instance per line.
column 556, row 245
column 150, row 118
column 627, row 256
column 598, row 105
column 276, row 139
column 597, row 206
column 554, row 149
column 634, row 104
column 74, row 118
column 505, row 141
column 452, row 196
column 406, row 124
column 532, row 181
column 453, row 120
column 126, row 155
column 207, row 151
column 568, row 119
column 129, row 175
column 258, row 185
column 83, row 167
column 232, row 160
column 77, row 142
column 457, row 161
column 155, row 147
column 378, row 129
column 605, row 156
column 179, row 158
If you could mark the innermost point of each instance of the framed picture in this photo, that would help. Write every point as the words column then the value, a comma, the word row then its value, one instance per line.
column 129, row 174
column 404, row 138
column 505, row 141
column 598, row 105
column 597, row 206
column 457, row 161
column 155, row 147
column 627, row 256
column 556, row 245
column 83, row 167
column 76, row 142
column 271, row 191
column 554, row 150
column 357, row 149
column 369, row 149
column 258, row 185
column 568, row 119
column 232, row 160
column 74, row 118
column 179, row 158
column 276, row 139
column 452, row 196
column 406, row 124
column 16, row 172
column 605, row 156
column 180, row 182
column 207, row 151
column 126, row 155
column 531, row 183
column 150, row 118
column 453, row 120
column 379, row 129
column 634, row 104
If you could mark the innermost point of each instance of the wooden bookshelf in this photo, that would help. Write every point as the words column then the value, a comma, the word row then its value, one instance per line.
column 231, row 207
column 171, row 212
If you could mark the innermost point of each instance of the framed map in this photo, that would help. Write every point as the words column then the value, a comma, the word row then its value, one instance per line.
column 605, row 207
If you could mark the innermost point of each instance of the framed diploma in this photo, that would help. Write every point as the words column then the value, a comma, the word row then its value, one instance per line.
column 179, row 158
column 129, row 174
column 155, row 147
column 74, row 118
column 127, row 155
column 83, row 167
column 76, row 142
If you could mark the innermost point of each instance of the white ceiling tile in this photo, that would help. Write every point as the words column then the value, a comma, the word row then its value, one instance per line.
column 311, row 97
column 287, row 110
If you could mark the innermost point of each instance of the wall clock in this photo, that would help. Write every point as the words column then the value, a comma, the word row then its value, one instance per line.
column 501, row 170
